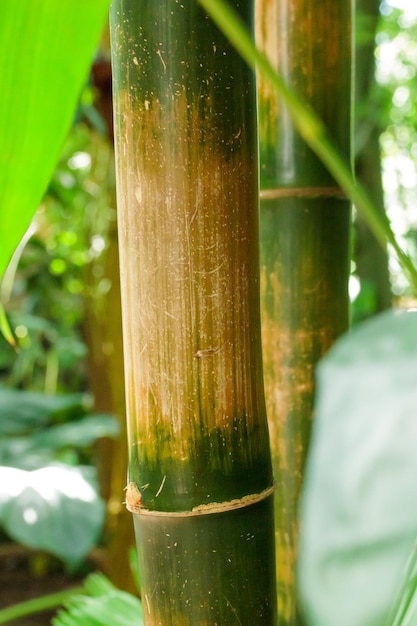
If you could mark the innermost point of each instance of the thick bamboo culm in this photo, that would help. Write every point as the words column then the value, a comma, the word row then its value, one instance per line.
column 304, row 231
column 200, row 475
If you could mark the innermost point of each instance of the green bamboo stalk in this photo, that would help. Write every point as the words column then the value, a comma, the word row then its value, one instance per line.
column 200, row 475
column 305, row 235
column 370, row 257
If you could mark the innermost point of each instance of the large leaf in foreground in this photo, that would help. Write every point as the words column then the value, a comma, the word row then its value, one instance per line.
column 359, row 509
column 46, row 48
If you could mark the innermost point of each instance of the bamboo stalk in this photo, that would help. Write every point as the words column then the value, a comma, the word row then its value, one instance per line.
column 370, row 257
column 305, row 222
column 200, row 476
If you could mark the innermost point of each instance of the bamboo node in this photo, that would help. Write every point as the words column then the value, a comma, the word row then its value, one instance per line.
column 301, row 192
column 238, row 503
column 134, row 503
column 133, row 498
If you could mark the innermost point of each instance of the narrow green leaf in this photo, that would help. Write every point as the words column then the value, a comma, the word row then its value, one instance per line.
column 5, row 328
column 404, row 612
column 359, row 509
column 36, row 605
column 46, row 49
column 103, row 606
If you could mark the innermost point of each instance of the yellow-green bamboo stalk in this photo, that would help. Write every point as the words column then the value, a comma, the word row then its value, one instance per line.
column 304, row 241
column 200, row 476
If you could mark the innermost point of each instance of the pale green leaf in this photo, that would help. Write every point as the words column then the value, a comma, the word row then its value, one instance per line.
column 46, row 49
column 359, row 506
column 55, row 508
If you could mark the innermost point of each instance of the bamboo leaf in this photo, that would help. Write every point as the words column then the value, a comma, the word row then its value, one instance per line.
column 405, row 610
column 310, row 128
column 359, row 512
column 36, row 605
column 45, row 54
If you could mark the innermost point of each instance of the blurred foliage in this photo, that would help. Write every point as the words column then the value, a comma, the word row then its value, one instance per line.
column 48, row 451
column 49, row 496
column 37, row 429
column 396, row 104
column 388, row 106
column 44, row 289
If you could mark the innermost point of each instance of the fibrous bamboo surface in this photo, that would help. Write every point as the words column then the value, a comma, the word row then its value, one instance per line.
column 200, row 477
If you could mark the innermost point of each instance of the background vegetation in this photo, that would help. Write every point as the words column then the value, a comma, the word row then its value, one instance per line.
column 61, row 285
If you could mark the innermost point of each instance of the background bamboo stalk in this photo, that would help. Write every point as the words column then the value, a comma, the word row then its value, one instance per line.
column 304, row 242
column 200, row 470
column 371, row 258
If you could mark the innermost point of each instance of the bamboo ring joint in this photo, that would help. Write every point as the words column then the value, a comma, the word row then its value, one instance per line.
column 134, row 504
column 301, row 192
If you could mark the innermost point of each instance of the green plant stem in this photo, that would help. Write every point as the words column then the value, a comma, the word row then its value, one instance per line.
column 310, row 128
column 37, row 605
column 5, row 328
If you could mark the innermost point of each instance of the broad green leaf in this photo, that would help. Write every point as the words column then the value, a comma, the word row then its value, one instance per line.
column 104, row 606
column 359, row 506
column 41, row 448
column 24, row 412
column 46, row 49
column 55, row 508
column 79, row 433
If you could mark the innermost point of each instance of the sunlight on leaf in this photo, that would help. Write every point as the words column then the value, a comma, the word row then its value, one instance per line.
column 56, row 508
